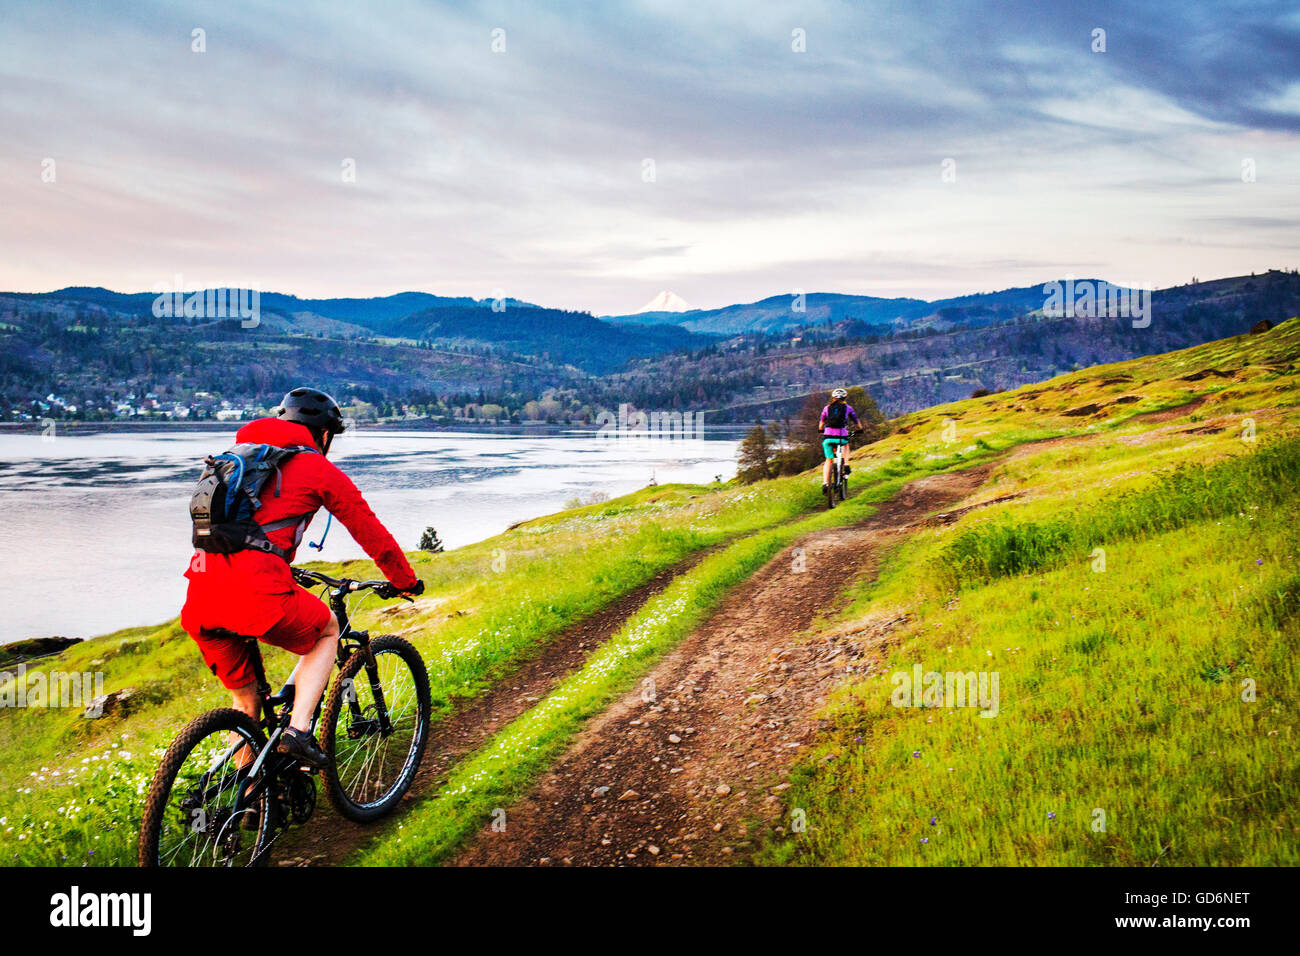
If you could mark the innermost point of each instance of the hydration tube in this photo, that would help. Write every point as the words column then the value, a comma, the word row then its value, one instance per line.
column 319, row 545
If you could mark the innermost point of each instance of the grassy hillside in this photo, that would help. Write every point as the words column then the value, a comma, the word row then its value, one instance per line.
column 1139, row 602
column 572, row 338
column 1120, row 689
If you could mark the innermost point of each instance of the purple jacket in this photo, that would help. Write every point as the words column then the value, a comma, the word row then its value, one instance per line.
column 850, row 415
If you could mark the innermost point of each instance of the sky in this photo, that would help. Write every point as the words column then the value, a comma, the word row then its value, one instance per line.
column 590, row 155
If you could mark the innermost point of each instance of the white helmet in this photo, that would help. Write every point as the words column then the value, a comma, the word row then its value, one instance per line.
column 839, row 393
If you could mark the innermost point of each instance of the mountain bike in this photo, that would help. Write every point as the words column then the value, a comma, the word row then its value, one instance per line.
column 222, row 795
column 839, row 483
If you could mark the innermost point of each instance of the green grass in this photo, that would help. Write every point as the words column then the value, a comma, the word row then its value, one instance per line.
column 1192, row 491
column 1124, row 693
column 488, row 608
column 510, row 763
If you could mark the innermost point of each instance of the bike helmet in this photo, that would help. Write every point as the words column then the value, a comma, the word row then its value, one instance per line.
column 839, row 393
column 316, row 410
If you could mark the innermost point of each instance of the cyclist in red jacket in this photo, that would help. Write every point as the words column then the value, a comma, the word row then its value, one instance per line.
column 253, row 592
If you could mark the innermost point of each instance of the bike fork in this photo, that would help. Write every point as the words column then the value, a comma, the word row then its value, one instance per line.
column 381, row 706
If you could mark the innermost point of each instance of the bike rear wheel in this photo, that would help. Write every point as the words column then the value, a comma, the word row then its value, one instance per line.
column 191, row 816
column 372, row 768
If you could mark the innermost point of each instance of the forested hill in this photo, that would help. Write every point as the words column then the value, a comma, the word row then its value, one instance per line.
column 573, row 338
column 915, row 365
column 92, row 353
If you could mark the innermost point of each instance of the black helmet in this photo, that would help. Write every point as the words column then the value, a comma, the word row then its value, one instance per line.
column 313, row 408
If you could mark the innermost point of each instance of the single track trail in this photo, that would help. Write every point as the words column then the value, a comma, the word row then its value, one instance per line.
column 677, row 769
column 330, row 839
column 671, row 772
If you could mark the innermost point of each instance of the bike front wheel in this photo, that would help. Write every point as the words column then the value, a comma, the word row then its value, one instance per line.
column 195, row 814
column 374, row 727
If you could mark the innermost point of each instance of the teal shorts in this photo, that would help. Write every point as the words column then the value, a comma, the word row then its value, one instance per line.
column 829, row 445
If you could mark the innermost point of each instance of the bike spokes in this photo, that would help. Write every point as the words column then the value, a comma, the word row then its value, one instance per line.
column 375, row 726
column 366, row 758
column 209, row 819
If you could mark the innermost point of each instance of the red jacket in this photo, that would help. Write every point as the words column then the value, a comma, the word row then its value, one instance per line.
column 246, row 591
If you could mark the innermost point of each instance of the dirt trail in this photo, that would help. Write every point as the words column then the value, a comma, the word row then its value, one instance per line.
column 672, row 780
column 329, row 839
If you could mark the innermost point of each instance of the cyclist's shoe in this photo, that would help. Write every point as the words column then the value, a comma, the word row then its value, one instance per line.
column 848, row 470
column 824, row 489
column 302, row 748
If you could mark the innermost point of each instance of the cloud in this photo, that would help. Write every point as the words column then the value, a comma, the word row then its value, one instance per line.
column 526, row 169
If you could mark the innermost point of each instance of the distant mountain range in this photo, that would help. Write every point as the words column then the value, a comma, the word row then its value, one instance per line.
column 81, row 352
column 416, row 314
column 780, row 313
column 507, row 326
column 991, row 341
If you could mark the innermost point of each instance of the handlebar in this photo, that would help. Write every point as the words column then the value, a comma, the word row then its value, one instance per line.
column 306, row 579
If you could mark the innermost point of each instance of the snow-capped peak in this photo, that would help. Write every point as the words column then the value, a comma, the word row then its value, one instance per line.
column 666, row 302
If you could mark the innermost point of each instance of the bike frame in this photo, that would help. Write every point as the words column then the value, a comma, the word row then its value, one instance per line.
column 275, row 709
column 837, row 463
column 838, row 479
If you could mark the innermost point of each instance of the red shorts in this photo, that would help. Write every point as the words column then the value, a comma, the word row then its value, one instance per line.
column 297, row 631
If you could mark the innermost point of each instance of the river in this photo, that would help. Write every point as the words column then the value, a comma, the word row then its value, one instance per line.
column 94, row 529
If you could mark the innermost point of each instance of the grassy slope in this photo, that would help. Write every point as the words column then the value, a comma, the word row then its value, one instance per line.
column 487, row 608
column 1123, row 691
column 510, row 763
column 519, row 589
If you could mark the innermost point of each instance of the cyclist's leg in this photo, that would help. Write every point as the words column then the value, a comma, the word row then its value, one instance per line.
column 313, row 673
column 828, row 449
column 248, row 701
column 309, row 629
column 231, row 661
